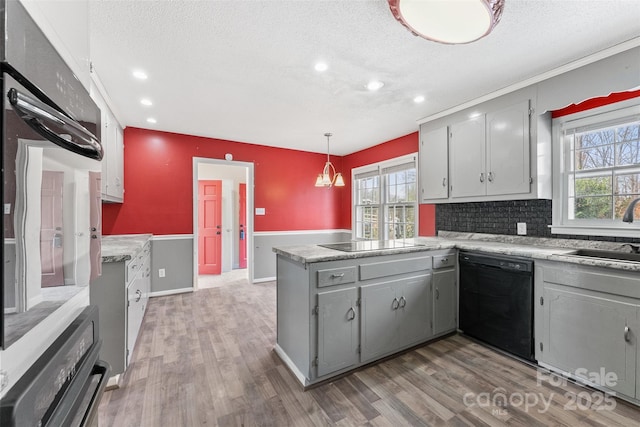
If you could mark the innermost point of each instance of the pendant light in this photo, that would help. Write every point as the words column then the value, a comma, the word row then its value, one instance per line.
column 448, row 21
column 329, row 177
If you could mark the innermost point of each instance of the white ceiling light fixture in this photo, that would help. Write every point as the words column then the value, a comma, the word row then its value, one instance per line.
column 329, row 177
column 374, row 85
column 151, row 120
column 418, row 99
column 448, row 21
column 140, row 75
column 146, row 101
column 321, row 67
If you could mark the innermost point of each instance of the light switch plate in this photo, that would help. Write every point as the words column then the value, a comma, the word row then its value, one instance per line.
column 7, row 208
column 522, row 228
column 260, row 211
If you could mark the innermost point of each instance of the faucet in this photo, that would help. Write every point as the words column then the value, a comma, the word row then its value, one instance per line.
column 628, row 214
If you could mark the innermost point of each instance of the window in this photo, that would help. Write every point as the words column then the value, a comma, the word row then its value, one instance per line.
column 385, row 200
column 599, row 166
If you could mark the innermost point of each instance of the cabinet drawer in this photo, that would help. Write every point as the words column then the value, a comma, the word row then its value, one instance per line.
column 336, row 276
column 391, row 268
column 444, row 261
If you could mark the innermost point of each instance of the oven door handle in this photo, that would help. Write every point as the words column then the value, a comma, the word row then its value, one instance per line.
column 36, row 113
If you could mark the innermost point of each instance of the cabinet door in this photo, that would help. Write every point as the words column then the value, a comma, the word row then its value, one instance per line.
column 445, row 301
column 415, row 310
column 585, row 335
column 379, row 329
column 508, row 166
column 134, row 313
column 337, row 330
column 434, row 164
column 116, row 189
column 467, row 149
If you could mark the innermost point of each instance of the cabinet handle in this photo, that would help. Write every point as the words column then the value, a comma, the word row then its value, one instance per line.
column 337, row 276
column 351, row 314
column 403, row 302
column 444, row 182
column 490, row 177
column 139, row 294
column 437, row 293
column 627, row 338
column 395, row 303
column 482, row 177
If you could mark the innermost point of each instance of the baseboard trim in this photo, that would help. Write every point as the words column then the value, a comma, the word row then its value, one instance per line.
column 289, row 364
column 113, row 383
column 170, row 292
column 264, row 279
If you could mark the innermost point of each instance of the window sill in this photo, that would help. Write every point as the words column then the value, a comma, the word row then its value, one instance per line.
column 630, row 230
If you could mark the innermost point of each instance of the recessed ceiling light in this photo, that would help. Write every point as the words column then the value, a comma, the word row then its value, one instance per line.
column 418, row 99
column 321, row 66
column 151, row 120
column 374, row 85
column 146, row 101
column 139, row 74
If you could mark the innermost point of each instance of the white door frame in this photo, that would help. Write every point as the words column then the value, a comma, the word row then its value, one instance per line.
column 249, row 168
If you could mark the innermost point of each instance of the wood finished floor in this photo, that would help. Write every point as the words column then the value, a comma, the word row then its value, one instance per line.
column 207, row 358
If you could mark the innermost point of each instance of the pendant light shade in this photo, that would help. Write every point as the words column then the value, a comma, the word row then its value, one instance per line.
column 329, row 177
column 448, row 21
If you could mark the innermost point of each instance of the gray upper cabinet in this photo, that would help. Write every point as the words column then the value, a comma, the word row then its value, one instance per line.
column 337, row 330
column 434, row 164
column 508, row 170
column 467, row 145
column 498, row 150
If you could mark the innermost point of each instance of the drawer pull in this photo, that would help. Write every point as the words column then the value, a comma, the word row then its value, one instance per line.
column 337, row 275
column 437, row 293
column 351, row 314
column 403, row 302
column 627, row 338
column 395, row 304
column 139, row 295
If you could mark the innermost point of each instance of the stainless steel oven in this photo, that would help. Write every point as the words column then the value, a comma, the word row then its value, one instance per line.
column 51, row 195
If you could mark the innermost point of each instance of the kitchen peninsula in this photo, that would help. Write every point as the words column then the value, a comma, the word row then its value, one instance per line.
column 339, row 310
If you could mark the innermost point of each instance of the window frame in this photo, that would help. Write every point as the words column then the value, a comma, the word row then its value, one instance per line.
column 377, row 169
column 561, row 224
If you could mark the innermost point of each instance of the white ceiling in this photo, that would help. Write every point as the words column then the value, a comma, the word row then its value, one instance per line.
column 243, row 70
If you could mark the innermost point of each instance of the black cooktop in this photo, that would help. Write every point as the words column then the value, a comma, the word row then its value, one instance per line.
column 368, row 245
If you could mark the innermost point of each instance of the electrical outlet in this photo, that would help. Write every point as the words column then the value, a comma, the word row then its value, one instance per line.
column 161, row 272
column 522, row 228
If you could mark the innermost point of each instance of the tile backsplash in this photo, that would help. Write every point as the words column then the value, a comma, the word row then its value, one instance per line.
column 501, row 218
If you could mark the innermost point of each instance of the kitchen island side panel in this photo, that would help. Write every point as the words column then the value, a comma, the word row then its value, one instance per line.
column 294, row 317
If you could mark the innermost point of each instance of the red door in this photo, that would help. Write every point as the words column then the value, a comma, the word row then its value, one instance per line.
column 209, row 227
column 51, row 233
column 95, row 224
column 243, row 222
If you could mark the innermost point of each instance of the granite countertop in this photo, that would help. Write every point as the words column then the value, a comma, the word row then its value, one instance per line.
column 530, row 247
column 123, row 247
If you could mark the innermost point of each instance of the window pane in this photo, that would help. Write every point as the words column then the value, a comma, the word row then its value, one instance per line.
column 593, row 186
column 597, row 207
column 628, row 184
column 628, row 133
column 628, row 153
column 594, row 158
column 595, row 138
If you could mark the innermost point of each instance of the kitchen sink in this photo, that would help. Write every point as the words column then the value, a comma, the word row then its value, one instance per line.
column 614, row 255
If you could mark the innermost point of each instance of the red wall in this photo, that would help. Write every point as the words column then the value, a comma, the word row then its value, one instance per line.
column 158, row 182
column 388, row 150
column 595, row 102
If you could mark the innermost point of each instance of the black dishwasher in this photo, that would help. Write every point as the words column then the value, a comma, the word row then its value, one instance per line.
column 496, row 301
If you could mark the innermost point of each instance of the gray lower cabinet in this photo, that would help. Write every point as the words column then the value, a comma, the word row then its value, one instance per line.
column 445, row 301
column 589, row 326
column 334, row 316
column 395, row 314
column 337, row 330
column 121, row 294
